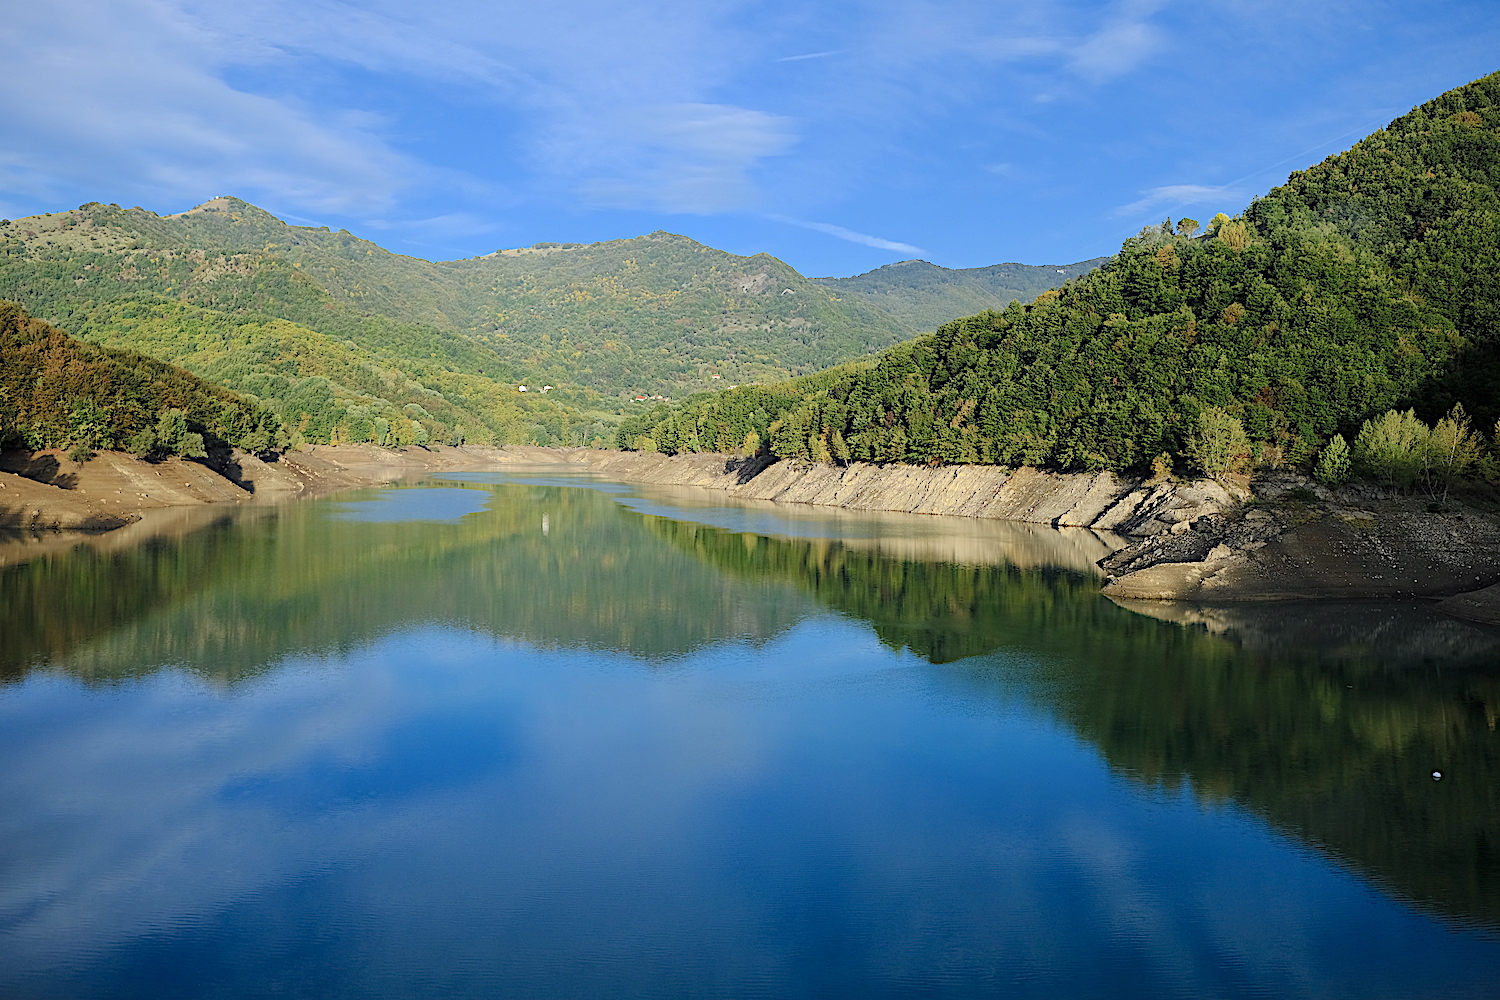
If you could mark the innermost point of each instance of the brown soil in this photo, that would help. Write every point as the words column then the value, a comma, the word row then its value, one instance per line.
column 49, row 502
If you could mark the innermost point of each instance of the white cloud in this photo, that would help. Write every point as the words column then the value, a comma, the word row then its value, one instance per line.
column 1175, row 194
column 848, row 234
column 128, row 97
column 1115, row 50
column 670, row 105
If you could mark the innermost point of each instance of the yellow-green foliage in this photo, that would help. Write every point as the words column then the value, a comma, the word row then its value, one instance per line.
column 1334, row 465
column 1398, row 449
column 1219, row 445
column 1392, row 448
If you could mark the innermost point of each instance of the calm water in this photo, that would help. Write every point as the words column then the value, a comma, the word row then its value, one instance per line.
column 536, row 738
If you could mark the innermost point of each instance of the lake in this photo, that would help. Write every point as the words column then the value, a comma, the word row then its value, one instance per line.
column 520, row 735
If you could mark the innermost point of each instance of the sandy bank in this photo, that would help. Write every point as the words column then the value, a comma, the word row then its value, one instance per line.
column 1101, row 501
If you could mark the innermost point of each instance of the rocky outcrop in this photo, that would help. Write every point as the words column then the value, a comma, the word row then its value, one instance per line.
column 1311, row 549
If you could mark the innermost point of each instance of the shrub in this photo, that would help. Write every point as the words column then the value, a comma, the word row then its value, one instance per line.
column 1392, row 448
column 1219, row 445
column 1333, row 462
column 1453, row 448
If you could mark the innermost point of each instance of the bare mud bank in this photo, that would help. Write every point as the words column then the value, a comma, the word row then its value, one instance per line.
column 1102, row 501
column 1198, row 541
column 49, row 502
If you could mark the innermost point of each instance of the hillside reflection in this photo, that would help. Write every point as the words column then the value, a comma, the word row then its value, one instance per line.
column 229, row 600
column 1325, row 720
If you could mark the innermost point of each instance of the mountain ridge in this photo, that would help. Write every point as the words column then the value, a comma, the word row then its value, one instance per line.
column 226, row 288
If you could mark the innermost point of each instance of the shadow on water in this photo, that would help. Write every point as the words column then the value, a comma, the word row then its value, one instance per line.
column 1325, row 720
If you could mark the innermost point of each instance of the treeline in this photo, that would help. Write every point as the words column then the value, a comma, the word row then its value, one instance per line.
column 59, row 392
column 1368, row 283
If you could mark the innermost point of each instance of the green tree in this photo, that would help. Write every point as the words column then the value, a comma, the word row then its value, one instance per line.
column 89, row 428
column 1219, row 445
column 1392, row 448
column 1333, row 462
column 1452, row 449
column 175, row 438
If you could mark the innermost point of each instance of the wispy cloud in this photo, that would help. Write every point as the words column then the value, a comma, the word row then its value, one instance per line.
column 688, row 158
column 1125, row 40
column 810, row 55
column 878, row 242
column 129, row 97
column 1175, row 194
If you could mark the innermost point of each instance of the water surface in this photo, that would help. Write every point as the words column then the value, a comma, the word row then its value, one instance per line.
column 522, row 736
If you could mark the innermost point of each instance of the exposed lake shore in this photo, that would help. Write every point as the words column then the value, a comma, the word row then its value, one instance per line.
column 1281, row 538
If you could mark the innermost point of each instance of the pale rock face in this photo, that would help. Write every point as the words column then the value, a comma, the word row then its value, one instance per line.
column 1173, row 541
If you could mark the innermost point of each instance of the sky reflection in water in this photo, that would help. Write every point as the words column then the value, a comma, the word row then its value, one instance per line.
column 638, row 756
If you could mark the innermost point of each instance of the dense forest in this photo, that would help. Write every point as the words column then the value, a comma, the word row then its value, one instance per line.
column 58, row 392
column 1367, row 283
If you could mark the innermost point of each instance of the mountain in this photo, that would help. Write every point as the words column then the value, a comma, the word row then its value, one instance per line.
column 343, row 338
column 923, row 296
column 1367, row 282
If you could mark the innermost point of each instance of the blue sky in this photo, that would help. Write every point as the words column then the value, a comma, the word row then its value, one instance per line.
column 838, row 136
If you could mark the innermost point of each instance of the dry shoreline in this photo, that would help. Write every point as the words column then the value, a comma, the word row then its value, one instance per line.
column 50, row 503
column 1196, row 542
column 1193, row 541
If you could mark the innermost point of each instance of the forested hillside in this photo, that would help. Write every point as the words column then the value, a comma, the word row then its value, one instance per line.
column 923, row 296
column 347, row 341
column 188, row 292
column 1367, row 282
column 58, row 392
